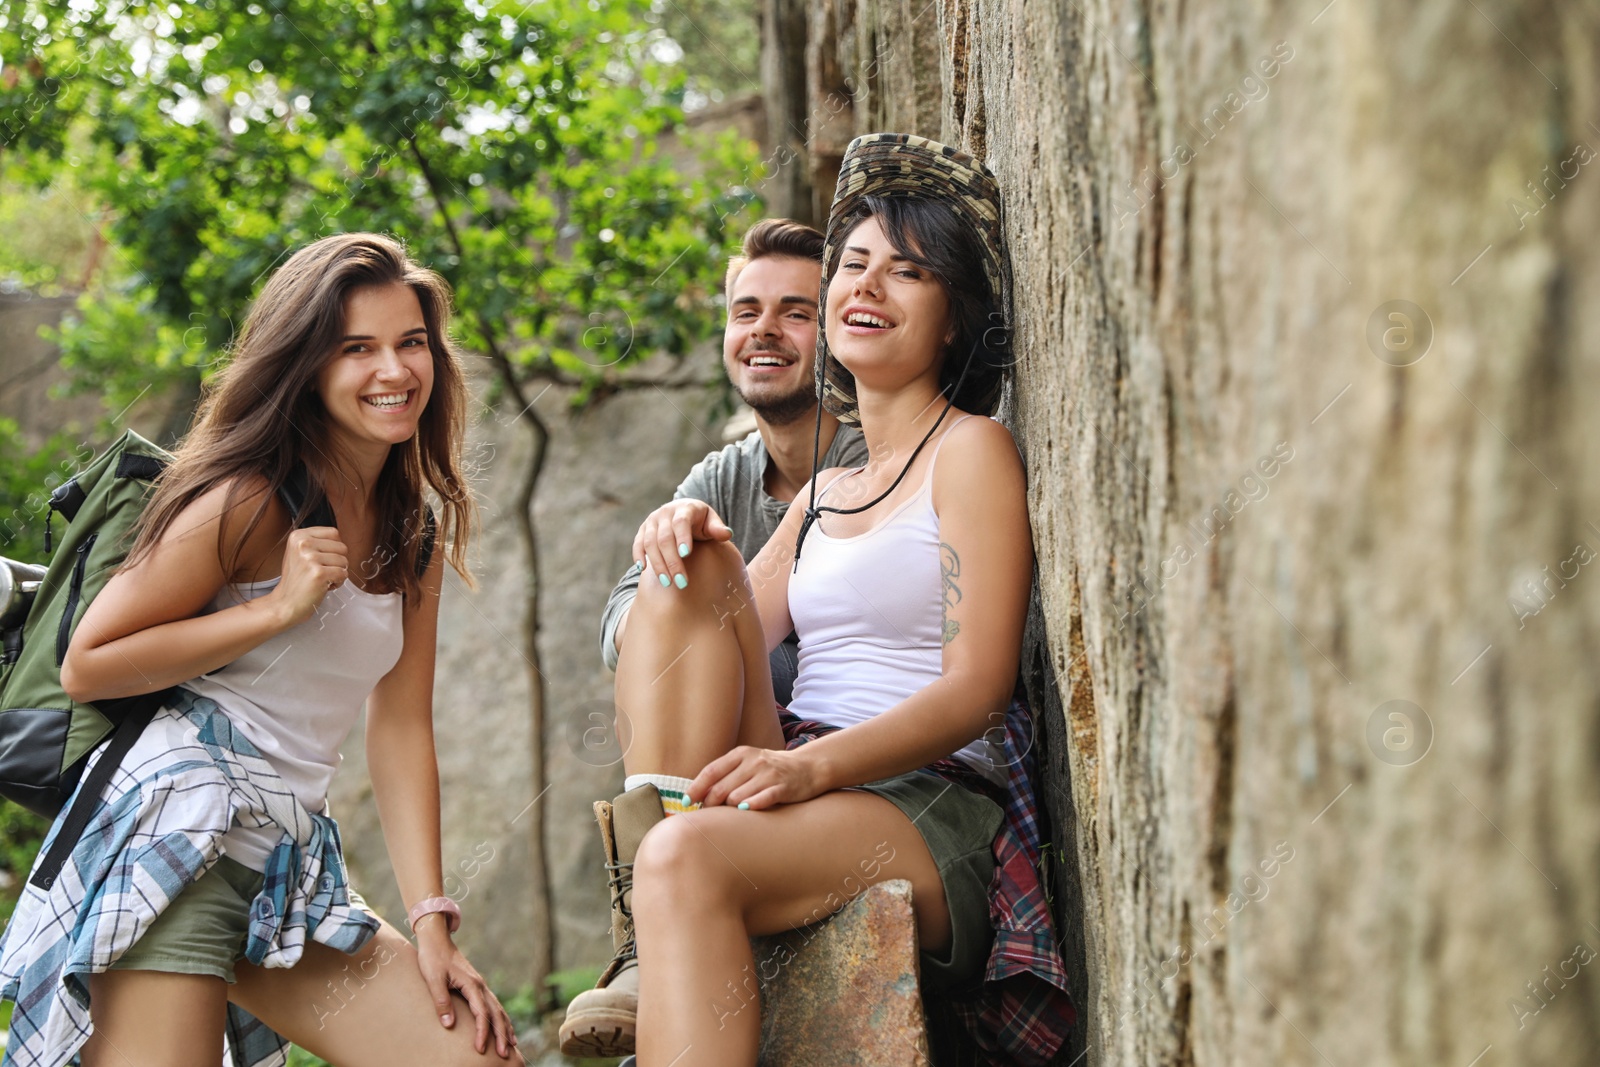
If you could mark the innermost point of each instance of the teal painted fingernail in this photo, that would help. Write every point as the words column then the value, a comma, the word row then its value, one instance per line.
column 665, row 581
column 744, row 805
column 683, row 549
column 683, row 583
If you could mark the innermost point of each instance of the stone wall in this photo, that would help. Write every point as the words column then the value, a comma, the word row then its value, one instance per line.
column 1307, row 332
column 31, row 382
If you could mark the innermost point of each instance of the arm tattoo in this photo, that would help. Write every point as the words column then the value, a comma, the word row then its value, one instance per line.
column 949, row 571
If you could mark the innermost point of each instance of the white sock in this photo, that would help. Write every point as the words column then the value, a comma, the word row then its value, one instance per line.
column 674, row 791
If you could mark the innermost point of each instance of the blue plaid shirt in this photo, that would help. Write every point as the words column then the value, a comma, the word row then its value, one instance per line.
column 189, row 777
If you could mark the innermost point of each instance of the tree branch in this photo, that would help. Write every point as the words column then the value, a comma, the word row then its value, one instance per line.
column 497, row 357
column 544, row 902
column 543, row 369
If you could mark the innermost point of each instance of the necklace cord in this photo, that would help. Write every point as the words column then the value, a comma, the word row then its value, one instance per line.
column 813, row 512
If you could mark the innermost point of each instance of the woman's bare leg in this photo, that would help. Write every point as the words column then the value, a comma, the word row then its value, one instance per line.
column 146, row 1017
column 367, row 1009
column 707, row 880
column 693, row 678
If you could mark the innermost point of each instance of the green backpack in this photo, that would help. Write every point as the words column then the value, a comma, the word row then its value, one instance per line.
column 46, row 737
column 45, row 734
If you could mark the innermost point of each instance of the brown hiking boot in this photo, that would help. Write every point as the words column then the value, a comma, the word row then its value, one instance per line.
column 601, row 1021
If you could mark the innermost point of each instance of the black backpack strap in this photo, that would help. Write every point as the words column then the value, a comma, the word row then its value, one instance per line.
column 297, row 492
column 430, row 533
column 76, row 820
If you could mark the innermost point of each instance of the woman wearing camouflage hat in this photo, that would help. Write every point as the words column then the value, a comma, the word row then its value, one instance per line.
column 907, row 581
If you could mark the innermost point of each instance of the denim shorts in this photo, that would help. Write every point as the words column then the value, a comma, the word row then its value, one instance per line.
column 203, row 930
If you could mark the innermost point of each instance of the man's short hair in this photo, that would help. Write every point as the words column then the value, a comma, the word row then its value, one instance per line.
column 774, row 237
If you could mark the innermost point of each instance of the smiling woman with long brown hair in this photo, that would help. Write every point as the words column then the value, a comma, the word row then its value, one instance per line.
column 208, row 899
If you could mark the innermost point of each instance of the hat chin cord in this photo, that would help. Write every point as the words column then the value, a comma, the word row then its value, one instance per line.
column 813, row 512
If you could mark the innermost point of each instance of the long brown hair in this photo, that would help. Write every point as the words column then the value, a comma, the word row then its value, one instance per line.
column 260, row 416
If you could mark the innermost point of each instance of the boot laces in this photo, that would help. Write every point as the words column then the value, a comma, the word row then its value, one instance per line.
column 619, row 876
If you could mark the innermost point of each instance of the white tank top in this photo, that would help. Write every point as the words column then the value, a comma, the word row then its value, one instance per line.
column 868, row 611
column 296, row 696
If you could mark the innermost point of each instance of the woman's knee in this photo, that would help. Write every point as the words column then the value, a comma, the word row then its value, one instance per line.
column 680, row 864
column 714, row 577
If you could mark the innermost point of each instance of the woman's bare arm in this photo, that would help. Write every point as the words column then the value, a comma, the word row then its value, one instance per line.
column 144, row 632
column 400, row 748
column 405, row 782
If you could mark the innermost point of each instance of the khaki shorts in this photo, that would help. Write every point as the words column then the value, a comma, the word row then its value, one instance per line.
column 958, row 827
column 204, row 930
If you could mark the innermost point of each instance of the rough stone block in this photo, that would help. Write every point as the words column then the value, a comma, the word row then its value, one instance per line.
column 845, row 992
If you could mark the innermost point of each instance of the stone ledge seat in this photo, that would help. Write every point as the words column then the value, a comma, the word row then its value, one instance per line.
column 846, row 991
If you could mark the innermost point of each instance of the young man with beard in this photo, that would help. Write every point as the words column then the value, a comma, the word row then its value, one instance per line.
column 768, row 350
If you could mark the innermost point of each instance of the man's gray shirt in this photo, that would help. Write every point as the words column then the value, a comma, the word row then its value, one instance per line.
column 732, row 481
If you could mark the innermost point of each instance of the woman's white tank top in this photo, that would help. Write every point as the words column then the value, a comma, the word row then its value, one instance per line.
column 297, row 695
column 869, row 610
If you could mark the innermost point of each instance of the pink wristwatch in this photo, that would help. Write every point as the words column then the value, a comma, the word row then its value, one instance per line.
column 450, row 909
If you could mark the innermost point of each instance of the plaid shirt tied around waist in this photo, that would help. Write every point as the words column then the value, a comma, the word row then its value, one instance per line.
column 1020, row 1013
column 188, row 778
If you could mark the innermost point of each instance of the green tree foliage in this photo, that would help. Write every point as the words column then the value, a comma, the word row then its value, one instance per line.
column 721, row 42
column 517, row 148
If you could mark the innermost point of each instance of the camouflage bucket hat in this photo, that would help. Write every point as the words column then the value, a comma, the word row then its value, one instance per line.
column 902, row 164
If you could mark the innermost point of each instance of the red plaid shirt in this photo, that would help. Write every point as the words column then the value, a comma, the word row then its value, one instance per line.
column 1020, row 1013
